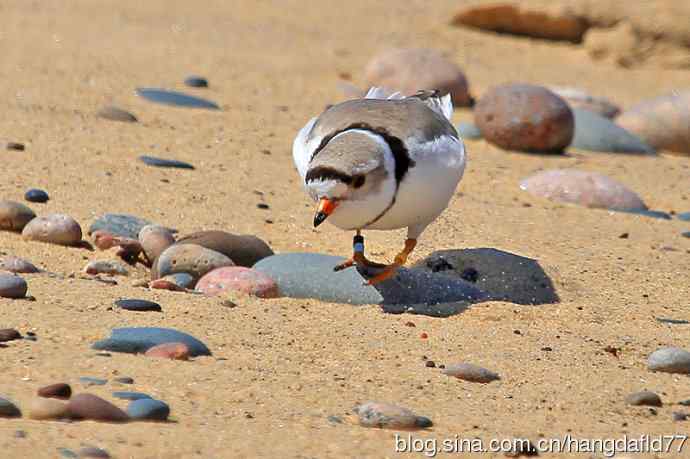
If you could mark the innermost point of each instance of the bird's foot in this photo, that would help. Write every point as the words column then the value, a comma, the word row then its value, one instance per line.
column 400, row 260
column 382, row 272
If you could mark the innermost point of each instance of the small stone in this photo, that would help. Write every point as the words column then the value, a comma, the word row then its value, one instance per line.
column 47, row 408
column 154, row 240
column 430, row 364
column 685, row 216
column 16, row 146
column 192, row 259
column 89, row 406
column 526, row 118
column 111, row 268
column 124, row 380
column 57, row 390
column 468, row 131
column 9, row 334
column 138, row 305
column 12, row 286
column 162, row 162
column 36, row 195
column 88, row 381
column 679, row 416
column 148, row 409
column 577, row 98
column 665, row 320
column 196, row 82
column 93, row 452
column 238, row 279
column 388, row 416
column 594, row 132
column 122, row 225
column 670, row 360
column 173, row 351
column 140, row 339
column 9, row 409
column 175, row 98
column 174, row 282
column 17, row 265
column 243, row 249
column 114, row 113
column 643, row 398
column 67, row 453
column 14, row 215
column 20, row 434
column 587, row 189
column 53, row 228
column 471, row 373
column 130, row 395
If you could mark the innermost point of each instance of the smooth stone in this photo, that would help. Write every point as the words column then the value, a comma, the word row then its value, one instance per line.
column 664, row 320
column 122, row 225
column 173, row 351
column 14, row 215
column 643, row 398
column 471, row 373
column 525, row 117
column 54, row 229
column 238, row 279
column 17, row 265
column 162, row 162
column 57, row 390
column 398, row 70
column 47, row 408
column 594, row 132
column 124, row 380
column 148, row 409
column 679, row 416
column 93, row 452
column 175, row 98
column 650, row 213
column 311, row 275
column 138, row 305
column 174, row 282
column 140, row 339
column 12, row 286
column 188, row 258
column 114, row 113
column 388, row 416
column 67, row 453
column 685, row 216
column 9, row 334
column 16, row 146
column 468, row 131
column 125, row 395
column 89, row 406
column 577, row 98
column 669, row 360
column 111, row 268
column 243, row 249
column 36, row 195
column 154, row 239
column 88, row 381
column 196, row 82
column 587, row 189
column 9, row 409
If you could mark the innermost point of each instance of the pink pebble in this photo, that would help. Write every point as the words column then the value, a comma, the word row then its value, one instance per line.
column 238, row 279
column 175, row 351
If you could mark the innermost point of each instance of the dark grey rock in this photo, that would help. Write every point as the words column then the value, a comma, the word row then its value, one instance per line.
column 9, row 409
column 88, row 381
column 175, row 98
column 12, row 286
column 138, row 305
column 16, row 146
column 126, row 395
column 670, row 360
column 162, row 162
column 119, row 225
column 36, row 195
column 196, row 82
column 140, row 339
column 113, row 113
column 148, row 409
column 643, row 398
column 594, row 132
column 124, row 380
column 468, row 131
column 683, row 216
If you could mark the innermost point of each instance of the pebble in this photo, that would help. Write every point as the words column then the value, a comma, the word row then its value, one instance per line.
column 525, row 118
column 47, row 408
column 122, row 225
column 311, row 275
column 173, row 351
column 14, row 215
column 685, row 216
column 17, row 265
column 53, row 228
column 584, row 188
column 16, row 146
column 89, row 406
column 57, row 390
column 148, row 409
column 124, row 395
column 578, row 98
column 196, row 82
column 243, row 249
column 154, row 239
column 162, row 162
column 175, row 98
column 661, row 122
column 388, row 416
column 36, row 195
column 471, row 373
column 9, row 334
column 113, row 113
column 594, row 132
column 88, row 381
column 12, row 286
column 643, row 398
column 468, row 131
column 398, row 70
column 93, row 452
column 665, row 320
column 124, row 380
column 140, row 339
column 192, row 259
column 238, row 279
column 174, row 282
column 138, row 305
column 679, row 416
column 9, row 409
column 111, row 268
column 670, row 360
column 67, row 453
column 20, row 434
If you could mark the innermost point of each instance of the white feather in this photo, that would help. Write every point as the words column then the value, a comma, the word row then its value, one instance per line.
column 302, row 150
column 442, row 105
column 382, row 93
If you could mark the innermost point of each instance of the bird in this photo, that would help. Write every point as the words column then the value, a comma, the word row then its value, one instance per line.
column 381, row 162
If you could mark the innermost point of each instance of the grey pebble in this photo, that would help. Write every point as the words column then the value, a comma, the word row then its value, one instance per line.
column 135, row 340
column 196, row 82
column 138, row 305
column 114, row 113
column 124, row 380
column 93, row 452
column 123, row 225
column 12, row 286
column 670, row 360
column 594, row 132
column 672, row 321
column 389, row 416
column 67, row 453
column 36, row 195
column 163, row 162
column 148, row 409
column 178, row 99
column 471, row 373
column 679, row 416
column 9, row 409
column 643, row 398
column 685, row 216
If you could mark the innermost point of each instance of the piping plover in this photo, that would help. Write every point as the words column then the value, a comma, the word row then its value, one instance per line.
column 382, row 162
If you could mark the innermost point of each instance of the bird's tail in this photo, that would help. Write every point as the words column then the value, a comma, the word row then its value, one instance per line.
column 432, row 98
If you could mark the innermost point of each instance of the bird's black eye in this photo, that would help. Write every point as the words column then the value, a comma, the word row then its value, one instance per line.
column 358, row 181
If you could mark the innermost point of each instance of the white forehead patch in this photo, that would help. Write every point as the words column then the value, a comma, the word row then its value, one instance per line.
column 325, row 188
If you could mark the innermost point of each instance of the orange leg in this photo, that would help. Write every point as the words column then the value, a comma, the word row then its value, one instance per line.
column 358, row 257
column 400, row 260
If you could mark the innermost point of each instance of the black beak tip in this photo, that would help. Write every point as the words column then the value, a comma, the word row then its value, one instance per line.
column 319, row 218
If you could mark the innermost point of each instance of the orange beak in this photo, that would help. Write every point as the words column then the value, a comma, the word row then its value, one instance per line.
column 325, row 208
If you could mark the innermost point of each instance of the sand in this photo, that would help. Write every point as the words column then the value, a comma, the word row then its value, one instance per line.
column 282, row 367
